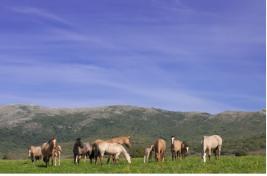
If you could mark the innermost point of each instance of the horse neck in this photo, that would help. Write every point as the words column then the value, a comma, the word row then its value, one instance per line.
column 126, row 154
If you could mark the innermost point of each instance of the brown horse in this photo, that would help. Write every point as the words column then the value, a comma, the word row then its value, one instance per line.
column 178, row 148
column 47, row 149
column 160, row 149
column 35, row 153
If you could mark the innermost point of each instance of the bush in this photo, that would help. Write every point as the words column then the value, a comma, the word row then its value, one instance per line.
column 240, row 153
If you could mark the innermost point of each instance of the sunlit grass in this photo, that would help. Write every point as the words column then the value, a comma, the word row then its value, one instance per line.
column 193, row 164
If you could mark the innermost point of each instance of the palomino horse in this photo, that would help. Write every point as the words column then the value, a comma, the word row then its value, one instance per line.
column 210, row 143
column 35, row 153
column 114, row 149
column 147, row 153
column 47, row 149
column 178, row 148
column 160, row 148
column 123, row 140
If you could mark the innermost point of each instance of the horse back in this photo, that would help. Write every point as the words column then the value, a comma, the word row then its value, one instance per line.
column 160, row 145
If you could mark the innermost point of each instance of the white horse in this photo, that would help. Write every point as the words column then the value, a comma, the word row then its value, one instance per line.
column 114, row 149
column 211, row 143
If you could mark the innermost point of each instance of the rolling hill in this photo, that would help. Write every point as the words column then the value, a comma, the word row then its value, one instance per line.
column 22, row 125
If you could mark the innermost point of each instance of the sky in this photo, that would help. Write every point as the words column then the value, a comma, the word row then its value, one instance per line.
column 181, row 55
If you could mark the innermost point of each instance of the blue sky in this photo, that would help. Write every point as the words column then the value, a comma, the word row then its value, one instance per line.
column 183, row 55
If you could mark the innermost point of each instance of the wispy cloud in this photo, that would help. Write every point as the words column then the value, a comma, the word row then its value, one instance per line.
column 40, row 13
column 87, row 76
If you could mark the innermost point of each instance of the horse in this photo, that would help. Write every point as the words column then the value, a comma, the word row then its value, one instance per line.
column 56, row 155
column 86, row 151
column 160, row 149
column 147, row 153
column 47, row 149
column 123, row 140
column 211, row 143
column 35, row 153
column 178, row 148
column 78, row 145
column 109, row 148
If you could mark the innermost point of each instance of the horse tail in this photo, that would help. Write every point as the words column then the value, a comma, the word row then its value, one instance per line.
column 126, row 154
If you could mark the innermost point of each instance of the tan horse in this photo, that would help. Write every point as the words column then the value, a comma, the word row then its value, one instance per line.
column 123, row 140
column 47, row 149
column 209, row 144
column 109, row 148
column 160, row 149
column 178, row 148
column 147, row 153
column 56, row 155
column 35, row 153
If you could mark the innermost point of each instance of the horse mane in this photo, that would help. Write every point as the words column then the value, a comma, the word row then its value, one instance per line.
column 126, row 154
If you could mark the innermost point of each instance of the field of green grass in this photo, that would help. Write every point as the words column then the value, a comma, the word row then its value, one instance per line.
column 192, row 164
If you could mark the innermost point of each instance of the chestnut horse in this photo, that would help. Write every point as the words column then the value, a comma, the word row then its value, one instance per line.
column 47, row 149
column 160, row 149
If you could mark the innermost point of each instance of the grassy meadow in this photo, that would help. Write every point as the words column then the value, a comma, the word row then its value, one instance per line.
column 192, row 164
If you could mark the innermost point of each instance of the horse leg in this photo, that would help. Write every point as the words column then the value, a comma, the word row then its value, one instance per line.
column 219, row 151
column 85, row 158
column 163, row 156
column 116, row 157
column 144, row 158
column 59, row 159
column 108, row 159
column 209, row 154
column 100, row 158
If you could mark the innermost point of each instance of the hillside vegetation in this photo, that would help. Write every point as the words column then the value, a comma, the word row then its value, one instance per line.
column 23, row 125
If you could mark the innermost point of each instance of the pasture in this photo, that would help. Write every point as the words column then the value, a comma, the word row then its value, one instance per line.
column 192, row 164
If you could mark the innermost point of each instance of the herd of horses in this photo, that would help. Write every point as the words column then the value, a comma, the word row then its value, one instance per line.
column 114, row 147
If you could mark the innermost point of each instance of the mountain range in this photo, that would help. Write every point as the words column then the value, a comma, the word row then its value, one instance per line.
column 24, row 125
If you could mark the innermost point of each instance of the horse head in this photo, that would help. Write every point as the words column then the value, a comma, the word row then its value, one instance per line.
column 52, row 142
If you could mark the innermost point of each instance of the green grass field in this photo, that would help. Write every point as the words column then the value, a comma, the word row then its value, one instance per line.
column 192, row 164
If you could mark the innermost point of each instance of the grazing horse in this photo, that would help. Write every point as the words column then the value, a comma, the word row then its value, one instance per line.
column 148, row 153
column 123, row 140
column 209, row 144
column 35, row 153
column 160, row 149
column 109, row 148
column 47, row 149
column 86, row 151
column 56, row 155
column 178, row 148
